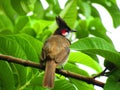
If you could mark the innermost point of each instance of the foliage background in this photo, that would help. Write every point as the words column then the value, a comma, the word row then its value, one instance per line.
column 25, row 25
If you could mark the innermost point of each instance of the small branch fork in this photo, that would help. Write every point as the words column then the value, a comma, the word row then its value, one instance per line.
column 28, row 63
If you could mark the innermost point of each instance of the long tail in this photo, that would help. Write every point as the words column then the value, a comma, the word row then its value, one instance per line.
column 49, row 74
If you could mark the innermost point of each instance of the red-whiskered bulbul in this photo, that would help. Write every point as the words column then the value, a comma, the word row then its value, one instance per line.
column 55, row 51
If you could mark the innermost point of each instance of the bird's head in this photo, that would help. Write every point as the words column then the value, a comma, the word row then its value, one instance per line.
column 63, row 28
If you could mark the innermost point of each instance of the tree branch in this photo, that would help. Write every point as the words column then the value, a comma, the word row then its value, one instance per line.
column 28, row 63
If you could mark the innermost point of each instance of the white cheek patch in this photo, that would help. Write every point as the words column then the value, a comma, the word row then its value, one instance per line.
column 65, row 34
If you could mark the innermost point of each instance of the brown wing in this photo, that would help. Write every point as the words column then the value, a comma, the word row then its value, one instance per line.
column 62, row 56
column 56, row 48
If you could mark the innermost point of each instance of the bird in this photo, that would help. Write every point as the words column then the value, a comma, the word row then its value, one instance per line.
column 55, row 51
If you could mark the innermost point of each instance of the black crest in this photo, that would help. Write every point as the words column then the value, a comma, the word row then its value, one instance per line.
column 62, row 26
column 61, row 23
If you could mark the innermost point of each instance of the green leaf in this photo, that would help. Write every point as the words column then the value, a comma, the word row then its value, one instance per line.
column 63, row 85
column 16, row 4
column 69, row 66
column 67, row 16
column 113, row 82
column 96, row 28
column 37, row 81
column 19, row 46
column 36, row 44
column 81, row 58
column 5, row 24
column 21, row 75
column 40, row 25
column 99, row 46
column 93, row 56
column 85, row 8
column 82, row 29
column 115, row 13
column 69, row 13
column 57, row 10
column 38, row 10
column 11, row 47
column 6, row 8
column 44, row 35
column 112, row 8
column 28, row 30
column 110, row 66
column 54, row 7
column 94, row 12
column 80, row 85
column 34, row 84
column 20, row 23
column 28, row 5
column 29, row 51
column 6, row 77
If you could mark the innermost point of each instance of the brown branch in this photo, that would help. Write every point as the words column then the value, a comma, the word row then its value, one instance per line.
column 89, row 80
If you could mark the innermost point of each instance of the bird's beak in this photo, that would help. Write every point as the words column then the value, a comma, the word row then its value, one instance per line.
column 73, row 31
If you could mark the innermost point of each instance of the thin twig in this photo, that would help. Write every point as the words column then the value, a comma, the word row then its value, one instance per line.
column 28, row 63
column 101, row 74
